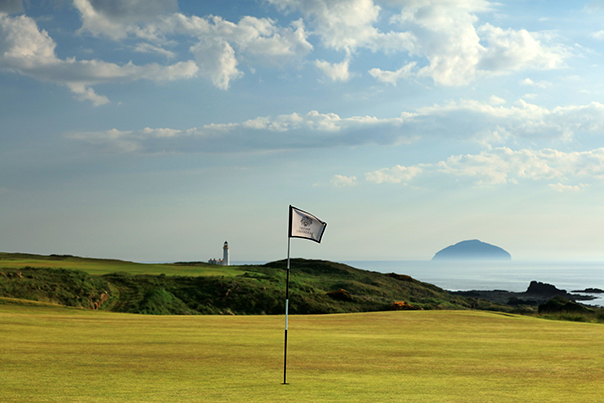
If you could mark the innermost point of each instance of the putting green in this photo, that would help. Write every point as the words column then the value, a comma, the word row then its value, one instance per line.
column 53, row 354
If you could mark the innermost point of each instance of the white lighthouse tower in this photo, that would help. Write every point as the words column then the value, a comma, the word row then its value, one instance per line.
column 225, row 254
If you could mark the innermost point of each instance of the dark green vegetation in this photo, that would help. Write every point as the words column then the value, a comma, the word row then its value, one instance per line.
column 560, row 308
column 315, row 287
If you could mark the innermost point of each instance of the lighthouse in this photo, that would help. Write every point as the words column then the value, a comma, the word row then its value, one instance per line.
column 225, row 254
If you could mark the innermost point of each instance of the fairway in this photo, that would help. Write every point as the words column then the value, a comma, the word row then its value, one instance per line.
column 105, row 266
column 54, row 354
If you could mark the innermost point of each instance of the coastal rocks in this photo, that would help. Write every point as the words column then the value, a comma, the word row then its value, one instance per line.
column 537, row 293
column 591, row 291
column 547, row 290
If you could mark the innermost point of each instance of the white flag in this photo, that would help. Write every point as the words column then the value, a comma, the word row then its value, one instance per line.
column 305, row 225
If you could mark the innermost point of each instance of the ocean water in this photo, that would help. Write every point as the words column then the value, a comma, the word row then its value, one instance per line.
column 508, row 275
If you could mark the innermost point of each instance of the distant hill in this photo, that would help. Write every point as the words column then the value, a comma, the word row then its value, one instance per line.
column 472, row 250
column 316, row 287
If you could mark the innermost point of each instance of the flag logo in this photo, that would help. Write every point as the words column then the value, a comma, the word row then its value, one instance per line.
column 306, row 221
column 305, row 225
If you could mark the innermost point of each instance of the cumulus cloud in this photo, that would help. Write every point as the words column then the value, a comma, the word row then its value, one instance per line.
column 26, row 50
column 538, row 84
column 216, row 61
column 220, row 46
column 343, row 181
column 119, row 18
column 341, row 24
column 560, row 170
column 144, row 47
column 559, row 187
column 393, row 77
column 440, row 40
column 509, row 49
column 334, row 71
column 396, row 174
column 458, row 49
column 483, row 121
column 490, row 124
column 283, row 132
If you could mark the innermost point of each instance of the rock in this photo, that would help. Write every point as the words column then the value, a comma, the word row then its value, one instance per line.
column 591, row 291
column 472, row 250
column 536, row 287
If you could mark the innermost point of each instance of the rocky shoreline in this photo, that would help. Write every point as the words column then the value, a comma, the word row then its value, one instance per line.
column 537, row 293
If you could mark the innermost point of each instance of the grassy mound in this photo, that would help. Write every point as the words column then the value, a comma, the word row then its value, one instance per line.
column 315, row 287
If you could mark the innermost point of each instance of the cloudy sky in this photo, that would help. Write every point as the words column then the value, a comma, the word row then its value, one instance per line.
column 154, row 130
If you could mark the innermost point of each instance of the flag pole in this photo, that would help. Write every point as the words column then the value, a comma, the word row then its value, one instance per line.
column 286, row 314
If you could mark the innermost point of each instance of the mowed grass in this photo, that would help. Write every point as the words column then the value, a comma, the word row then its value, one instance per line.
column 107, row 266
column 53, row 354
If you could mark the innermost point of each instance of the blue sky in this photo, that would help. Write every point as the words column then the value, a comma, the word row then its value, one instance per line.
column 155, row 130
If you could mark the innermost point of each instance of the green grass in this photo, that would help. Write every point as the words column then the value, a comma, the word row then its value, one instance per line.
column 52, row 354
column 197, row 288
column 105, row 266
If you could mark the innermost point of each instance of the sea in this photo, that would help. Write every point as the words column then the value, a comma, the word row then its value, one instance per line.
column 511, row 275
column 497, row 275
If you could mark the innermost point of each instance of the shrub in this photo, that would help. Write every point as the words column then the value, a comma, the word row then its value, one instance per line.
column 340, row 295
column 402, row 306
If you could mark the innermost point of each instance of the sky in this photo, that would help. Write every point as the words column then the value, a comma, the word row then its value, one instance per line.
column 155, row 130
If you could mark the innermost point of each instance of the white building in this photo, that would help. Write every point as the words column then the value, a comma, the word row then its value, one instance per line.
column 225, row 254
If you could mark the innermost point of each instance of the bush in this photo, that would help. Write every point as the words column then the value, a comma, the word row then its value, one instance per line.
column 340, row 295
column 402, row 306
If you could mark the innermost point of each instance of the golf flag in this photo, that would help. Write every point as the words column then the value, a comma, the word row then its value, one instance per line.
column 305, row 225
column 301, row 225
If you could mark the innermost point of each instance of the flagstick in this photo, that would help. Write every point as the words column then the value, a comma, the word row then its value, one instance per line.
column 286, row 314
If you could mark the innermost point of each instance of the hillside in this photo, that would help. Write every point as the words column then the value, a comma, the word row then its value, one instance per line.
column 472, row 250
column 315, row 287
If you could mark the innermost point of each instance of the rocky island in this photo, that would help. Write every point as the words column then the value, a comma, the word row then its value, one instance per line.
column 472, row 250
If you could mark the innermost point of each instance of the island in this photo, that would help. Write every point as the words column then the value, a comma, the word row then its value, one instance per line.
column 472, row 250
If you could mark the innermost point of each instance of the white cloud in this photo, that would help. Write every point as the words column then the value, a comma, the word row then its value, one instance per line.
column 458, row 49
column 438, row 39
column 392, row 77
column 522, row 119
column 284, row 132
column 341, row 24
column 343, row 181
column 26, row 50
column 495, row 100
column 488, row 124
column 281, row 123
column 444, row 34
column 149, row 48
column 509, row 49
column 538, row 84
column 119, row 18
column 216, row 61
column 559, row 187
column 396, row 174
column 599, row 35
column 506, row 166
column 84, row 93
column 335, row 71
column 221, row 45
